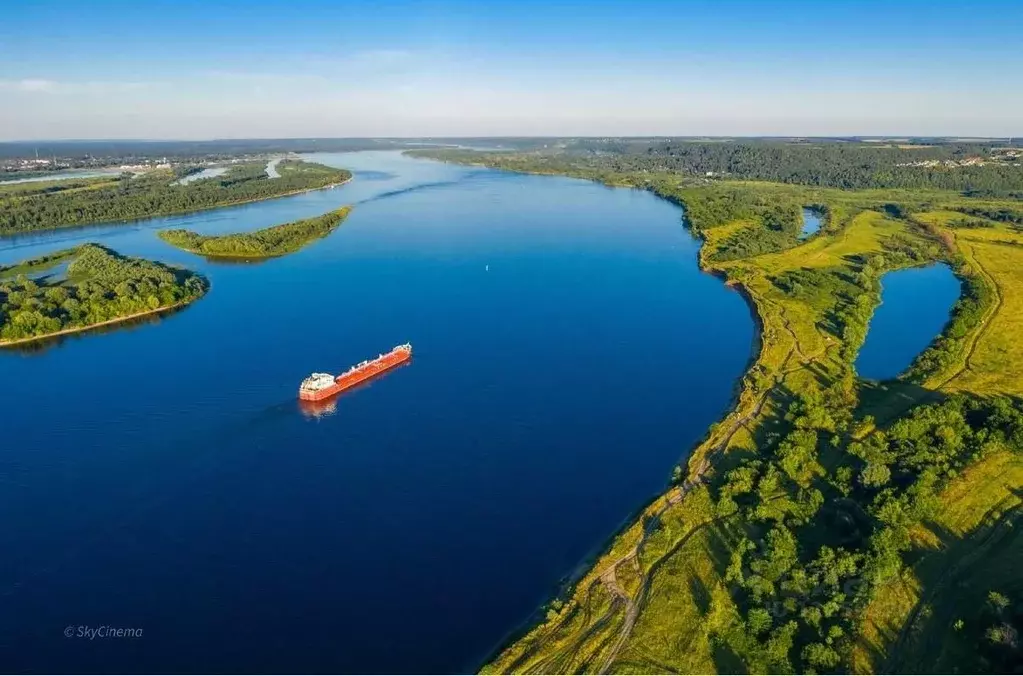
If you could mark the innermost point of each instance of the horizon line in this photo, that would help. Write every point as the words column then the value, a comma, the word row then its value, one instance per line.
column 960, row 137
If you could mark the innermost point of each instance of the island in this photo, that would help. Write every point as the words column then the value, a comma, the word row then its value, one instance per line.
column 826, row 523
column 86, row 287
column 269, row 242
column 29, row 207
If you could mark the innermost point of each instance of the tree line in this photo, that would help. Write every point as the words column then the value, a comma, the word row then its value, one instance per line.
column 820, row 163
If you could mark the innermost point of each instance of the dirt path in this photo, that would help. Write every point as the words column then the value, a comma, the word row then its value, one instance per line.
column 754, row 412
column 985, row 323
column 631, row 614
column 634, row 606
column 608, row 577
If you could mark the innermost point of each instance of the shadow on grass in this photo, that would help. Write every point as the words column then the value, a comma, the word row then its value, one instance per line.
column 701, row 595
column 726, row 661
column 890, row 399
column 955, row 579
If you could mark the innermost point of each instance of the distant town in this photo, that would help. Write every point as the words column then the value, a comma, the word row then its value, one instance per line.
column 19, row 167
column 1006, row 156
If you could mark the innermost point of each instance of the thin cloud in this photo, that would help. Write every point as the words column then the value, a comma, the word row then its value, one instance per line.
column 29, row 85
column 247, row 77
column 43, row 86
column 378, row 57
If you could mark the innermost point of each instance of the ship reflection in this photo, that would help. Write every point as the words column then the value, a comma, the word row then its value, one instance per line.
column 328, row 407
column 318, row 409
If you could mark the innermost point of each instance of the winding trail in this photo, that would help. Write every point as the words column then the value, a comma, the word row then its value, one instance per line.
column 997, row 528
column 698, row 474
column 985, row 323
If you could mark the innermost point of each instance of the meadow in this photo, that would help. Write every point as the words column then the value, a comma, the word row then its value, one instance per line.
column 827, row 523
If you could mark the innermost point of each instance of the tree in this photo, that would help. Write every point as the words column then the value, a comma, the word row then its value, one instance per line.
column 875, row 475
column 821, row 656
column 759, row 621
column 997, row 601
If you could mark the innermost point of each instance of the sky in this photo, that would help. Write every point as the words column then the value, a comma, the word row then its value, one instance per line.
column 311, row 68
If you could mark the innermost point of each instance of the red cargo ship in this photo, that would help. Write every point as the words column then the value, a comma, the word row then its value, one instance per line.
column 320, row 386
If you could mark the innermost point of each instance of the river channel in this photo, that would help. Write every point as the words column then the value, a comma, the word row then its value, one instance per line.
column 162, row 477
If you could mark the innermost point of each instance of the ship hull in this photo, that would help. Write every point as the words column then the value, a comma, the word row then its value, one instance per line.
column 358, row 375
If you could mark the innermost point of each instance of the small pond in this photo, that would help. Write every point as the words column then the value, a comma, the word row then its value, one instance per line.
column 915, row 306
column 812, row 221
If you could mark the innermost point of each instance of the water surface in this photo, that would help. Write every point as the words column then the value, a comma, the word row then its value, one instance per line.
column 211, row 172
column 812, row 220
column 62, row 175
column 567, row 353
column 915, row 306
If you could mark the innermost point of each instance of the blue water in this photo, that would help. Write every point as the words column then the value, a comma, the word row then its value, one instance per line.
column 811, row 223
column 915, row 306
column 211, row 172
column 162, row 476
column 61, row 175
column 55, row 273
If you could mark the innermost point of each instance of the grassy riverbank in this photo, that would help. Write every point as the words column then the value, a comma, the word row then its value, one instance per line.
column 99, row 287
column 795, row 537
column 33, row 207
column 277, row 240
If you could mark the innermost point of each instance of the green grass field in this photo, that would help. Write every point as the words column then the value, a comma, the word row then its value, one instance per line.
column 661, row 598
column 973, row 548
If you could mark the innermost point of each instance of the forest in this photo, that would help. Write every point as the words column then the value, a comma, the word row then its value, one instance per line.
column 973, row 169
column 856, row 514
column 277, row 240
column 31, row 207
column 98, row 285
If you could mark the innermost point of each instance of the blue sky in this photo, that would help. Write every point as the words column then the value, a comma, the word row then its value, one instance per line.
column 104, row 69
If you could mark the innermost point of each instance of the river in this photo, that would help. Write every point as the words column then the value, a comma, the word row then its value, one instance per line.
column 271, row 168
column 211, row 172
column 162, row 477
column 62, row 175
